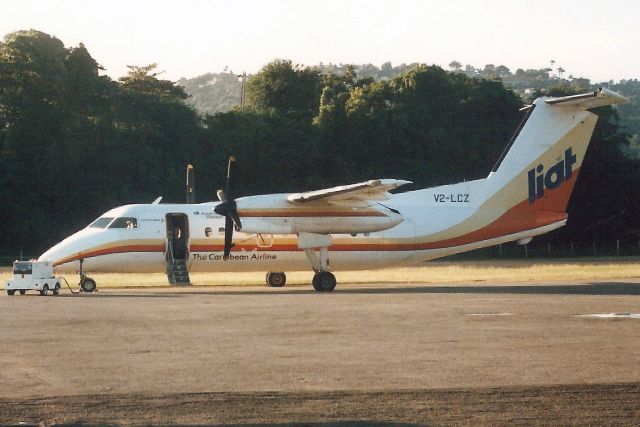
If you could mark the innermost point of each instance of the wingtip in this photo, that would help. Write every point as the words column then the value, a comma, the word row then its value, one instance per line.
column 395, row 183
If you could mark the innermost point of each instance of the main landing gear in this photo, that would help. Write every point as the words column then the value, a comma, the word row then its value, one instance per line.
column 316, row 248
column 324, row 281
column 276, row 280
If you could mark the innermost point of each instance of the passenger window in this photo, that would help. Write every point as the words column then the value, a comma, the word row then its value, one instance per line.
column 124, row 222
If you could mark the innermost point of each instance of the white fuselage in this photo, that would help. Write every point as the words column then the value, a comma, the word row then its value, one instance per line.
column 422, row 235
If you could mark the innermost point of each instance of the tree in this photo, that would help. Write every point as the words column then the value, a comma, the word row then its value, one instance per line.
column 386, row 70
column 489, row 71
column 144, row 80
column 281, row 88
column 33, row 113
column 455, row 65
column 71, row 138
column 503, row 71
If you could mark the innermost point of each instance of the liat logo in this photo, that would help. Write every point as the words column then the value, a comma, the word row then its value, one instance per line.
column 552, row 178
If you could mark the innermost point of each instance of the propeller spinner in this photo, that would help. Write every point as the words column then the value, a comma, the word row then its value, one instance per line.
column 227, row 208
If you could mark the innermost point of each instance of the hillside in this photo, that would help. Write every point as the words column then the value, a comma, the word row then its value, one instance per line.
column 212, row 92
column 220, row 92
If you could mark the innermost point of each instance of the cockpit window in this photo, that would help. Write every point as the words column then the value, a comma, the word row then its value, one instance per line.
column 101, row 222
column 124, row 222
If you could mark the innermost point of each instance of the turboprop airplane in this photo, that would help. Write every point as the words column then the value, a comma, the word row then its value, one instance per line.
column 358, row 226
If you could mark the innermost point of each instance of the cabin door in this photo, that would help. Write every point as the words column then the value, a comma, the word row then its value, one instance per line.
column 177, row 236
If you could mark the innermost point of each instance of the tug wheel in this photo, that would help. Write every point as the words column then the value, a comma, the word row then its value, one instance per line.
column 324, row 281
column 88, row 285
column 22, row 291
column 276, row 280
column 11, row 291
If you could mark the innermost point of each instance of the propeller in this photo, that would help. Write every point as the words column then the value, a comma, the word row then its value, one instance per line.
column 228, row 209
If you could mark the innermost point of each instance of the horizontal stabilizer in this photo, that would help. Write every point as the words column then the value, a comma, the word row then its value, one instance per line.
column 599, row 98
column 374, row 189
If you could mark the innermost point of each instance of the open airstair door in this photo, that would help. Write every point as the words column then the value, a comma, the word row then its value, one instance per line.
column 177, row 248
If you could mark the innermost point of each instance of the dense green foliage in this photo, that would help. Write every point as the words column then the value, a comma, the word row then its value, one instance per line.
column 214, row 93
column 74, row 143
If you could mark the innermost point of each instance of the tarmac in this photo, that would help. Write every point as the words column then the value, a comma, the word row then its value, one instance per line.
column 363, row 342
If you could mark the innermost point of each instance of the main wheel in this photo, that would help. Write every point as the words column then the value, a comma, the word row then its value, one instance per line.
column 12, row 291
column 276, row 280
column 45, row 290
column 22, row 291
column 88, row 285
column 56, row 289
column 324, row 281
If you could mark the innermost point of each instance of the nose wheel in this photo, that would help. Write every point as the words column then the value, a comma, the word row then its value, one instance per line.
column 87, row 284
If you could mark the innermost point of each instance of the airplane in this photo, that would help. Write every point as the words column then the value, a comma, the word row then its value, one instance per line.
column 351, row 227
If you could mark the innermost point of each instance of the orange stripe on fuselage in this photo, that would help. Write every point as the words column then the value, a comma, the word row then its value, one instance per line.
column 115, row 249
column 520, row 218
column 279, row 213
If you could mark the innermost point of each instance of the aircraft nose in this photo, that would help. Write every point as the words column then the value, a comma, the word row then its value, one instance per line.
column 65, row 254
column 60, row 254
column 54, row 253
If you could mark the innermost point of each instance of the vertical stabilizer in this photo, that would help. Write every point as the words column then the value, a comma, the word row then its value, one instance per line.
column 541, row 165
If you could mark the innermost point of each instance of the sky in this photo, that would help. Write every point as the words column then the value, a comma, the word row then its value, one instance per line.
column 599, row 40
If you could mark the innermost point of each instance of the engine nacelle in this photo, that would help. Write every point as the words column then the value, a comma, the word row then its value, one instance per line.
column 318, row 225
column 273, row 214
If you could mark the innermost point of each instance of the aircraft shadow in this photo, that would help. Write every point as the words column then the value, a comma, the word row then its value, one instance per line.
column 597, row 288
column 296, row 424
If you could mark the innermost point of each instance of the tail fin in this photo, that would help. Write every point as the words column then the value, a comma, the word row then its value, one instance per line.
column 527, row 192
column 543, row 159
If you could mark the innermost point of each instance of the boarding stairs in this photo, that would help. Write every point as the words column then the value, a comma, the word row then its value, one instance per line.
column 177, row 272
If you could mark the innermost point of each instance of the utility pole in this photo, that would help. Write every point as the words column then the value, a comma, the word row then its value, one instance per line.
column 242, row 78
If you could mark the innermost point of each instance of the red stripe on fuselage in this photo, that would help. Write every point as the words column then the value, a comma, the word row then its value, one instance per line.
column 302, row 214
column 522, row 217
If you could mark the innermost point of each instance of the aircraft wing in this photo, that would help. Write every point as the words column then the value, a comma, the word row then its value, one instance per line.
column 374, row 189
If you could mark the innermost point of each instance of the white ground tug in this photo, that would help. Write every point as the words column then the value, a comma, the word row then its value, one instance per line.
column 33, row 276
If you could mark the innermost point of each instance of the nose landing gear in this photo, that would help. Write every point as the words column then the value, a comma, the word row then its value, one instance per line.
column 87, row 284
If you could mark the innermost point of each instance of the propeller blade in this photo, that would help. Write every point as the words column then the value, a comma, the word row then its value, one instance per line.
column 236, row 218
column 228, row 183
column 227, row 208
column 228, row 237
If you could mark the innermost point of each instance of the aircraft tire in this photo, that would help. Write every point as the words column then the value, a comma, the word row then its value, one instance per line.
column 324, row 281
column 88, row 285
column 276, row 280
column 22, row 291
column 45, row 290
column 11, row 291
column 56, row 289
